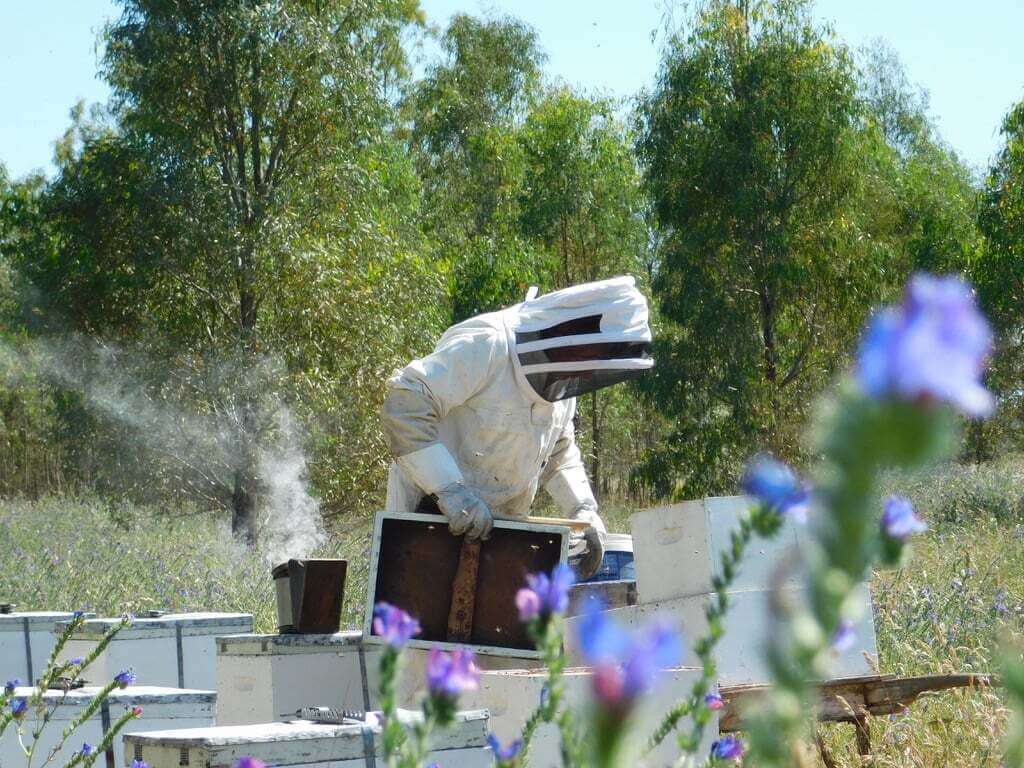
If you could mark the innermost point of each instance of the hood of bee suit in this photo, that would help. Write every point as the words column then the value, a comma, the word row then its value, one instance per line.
column 579, row 339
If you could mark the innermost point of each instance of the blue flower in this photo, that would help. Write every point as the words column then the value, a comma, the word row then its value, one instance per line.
column 11, row 685
column 777, row 487
column 124, row 678
column 625, row 664
column 450, row 674
column 507, row 753
column 77, row 661
column 140, row 764
column 727, row 748
column 543, row 596
column 899, row 520
column 931, row 347
column 713, row 701
column 393, row 624
column 845, row 636
column 19, row 708
column 87, row 749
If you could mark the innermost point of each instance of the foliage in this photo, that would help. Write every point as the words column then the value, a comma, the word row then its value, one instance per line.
column 748, row 143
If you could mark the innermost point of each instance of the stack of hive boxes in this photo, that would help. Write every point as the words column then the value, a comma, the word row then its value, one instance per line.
column 678, row 550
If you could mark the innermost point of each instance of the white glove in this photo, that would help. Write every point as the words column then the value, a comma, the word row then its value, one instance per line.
column 465, row 511
column 587, row 552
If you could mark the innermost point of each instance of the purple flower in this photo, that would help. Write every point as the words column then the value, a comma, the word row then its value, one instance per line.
column 449, row 674
column 11, row 685
column 249, row 762
column 727, row 748
column 625, row 664
column 776, row 486
column 77, row 661
column 87, row 749
column 931, row 347
column 713, row 701
column 19, row 707
column 845, row 636
column 504, row 754
column 544, row 596
column 140, row 764
column 899, row 520
column 124, row 678
column 393, row 624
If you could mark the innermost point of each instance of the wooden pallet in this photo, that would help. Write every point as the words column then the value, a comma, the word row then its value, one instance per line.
column 853, row 699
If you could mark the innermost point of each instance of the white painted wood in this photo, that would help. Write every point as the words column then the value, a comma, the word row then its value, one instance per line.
column 162, row 708
column 301, row 743
column 740, row 653
column 555, row 530
column 266, row 678
column 677, row 548
column 512, row 695
column 16, row 657
column 150, row 647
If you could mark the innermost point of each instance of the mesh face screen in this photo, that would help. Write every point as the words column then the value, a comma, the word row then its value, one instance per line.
column 584, row 352
column 575, row 327
column 561, row 386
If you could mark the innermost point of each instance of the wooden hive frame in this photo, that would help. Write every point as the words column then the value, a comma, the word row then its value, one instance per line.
column 515, row 549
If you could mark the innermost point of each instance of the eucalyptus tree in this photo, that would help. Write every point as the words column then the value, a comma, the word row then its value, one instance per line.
column 750, row 148
column 246, row 178
column 463, row 119
column 998, row 272
column 582, row 202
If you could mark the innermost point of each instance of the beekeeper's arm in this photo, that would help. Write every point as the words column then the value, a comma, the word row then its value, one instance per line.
column 565, row 479
column 418, row 398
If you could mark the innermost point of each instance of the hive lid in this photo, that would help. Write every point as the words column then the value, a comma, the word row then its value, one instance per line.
column 168, row 624
column 156, row 702
column 37, row 620
column 257, row 644
column 301, row 741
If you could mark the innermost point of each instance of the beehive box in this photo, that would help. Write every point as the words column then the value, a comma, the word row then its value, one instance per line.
column 512, row 695
column 26, row 642
column 261, row 678
column 162, row 708
column 305, row 745
column 174, row 650
column 739, row 655
column 414, row 561
column 678, row 547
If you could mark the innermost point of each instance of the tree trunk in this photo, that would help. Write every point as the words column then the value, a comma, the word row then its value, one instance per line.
column 244, row 499
column 771, row 373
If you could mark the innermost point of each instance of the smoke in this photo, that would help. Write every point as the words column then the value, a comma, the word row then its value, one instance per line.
column 290, row 524
column 180, row 425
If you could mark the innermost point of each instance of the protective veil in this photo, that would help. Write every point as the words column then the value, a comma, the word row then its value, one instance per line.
column 491, row 408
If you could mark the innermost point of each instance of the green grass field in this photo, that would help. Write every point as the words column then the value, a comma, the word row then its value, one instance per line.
column 958, row 598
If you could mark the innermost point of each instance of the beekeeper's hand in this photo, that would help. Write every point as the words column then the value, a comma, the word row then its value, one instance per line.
column 466, row 512
column 593, row 555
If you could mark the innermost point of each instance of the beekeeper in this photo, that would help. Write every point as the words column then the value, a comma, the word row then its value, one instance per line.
column 482, row 422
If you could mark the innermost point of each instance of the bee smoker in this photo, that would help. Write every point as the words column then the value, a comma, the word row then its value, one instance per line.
column 309, row 595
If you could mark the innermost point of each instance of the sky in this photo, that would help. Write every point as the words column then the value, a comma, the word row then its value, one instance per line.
column 967, row 55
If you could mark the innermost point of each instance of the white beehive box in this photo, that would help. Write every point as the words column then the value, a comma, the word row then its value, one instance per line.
column 677, row 548
column 162, row 708
column 263, row 678
column 512, row 695
column 740, row 653
column 267, row 678
column 305, row 745
column 174, row 650
column 26, row 642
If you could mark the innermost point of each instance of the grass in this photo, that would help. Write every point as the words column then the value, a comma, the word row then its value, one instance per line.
column 960, row 595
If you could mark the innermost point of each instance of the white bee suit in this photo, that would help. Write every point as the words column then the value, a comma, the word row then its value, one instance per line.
column 473, row 412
